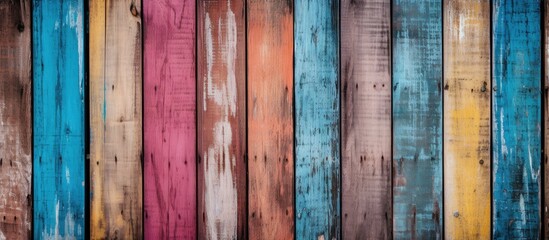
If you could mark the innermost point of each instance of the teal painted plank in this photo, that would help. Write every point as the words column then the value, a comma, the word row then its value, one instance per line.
column 59, row 137
column 417, row 119
column 516, row 119
column 317, row 153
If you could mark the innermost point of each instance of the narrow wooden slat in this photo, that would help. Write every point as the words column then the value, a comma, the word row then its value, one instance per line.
column 546, row 119
column 417, row 119
column 516, row 119
column 317, row 140
column 115, row 112
column 169, row 119
column 366, row 119
column 15, row 120
column 270, row 119
column 221, row 120
column 59, row 132
column 467, row 119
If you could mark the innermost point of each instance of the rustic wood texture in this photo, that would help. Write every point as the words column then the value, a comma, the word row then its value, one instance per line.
column 221, row 120
column 467, row 119
column 546, row 119
column 169, row 119
column 317, row 138
column 59, row 117
column 366, row 119
column 15, row 119
column 417, row 119
column 115, row 112
column 516, row 119
column 270, row 119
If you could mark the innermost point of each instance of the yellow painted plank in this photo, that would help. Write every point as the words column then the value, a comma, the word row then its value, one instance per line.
column 115, row 119
column 467, row 119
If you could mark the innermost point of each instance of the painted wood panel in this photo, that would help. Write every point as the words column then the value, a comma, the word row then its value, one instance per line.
column 366, row 119
column 169, row 119
column 317, row 130
column 221, row 120
column 467, row 119
column 546, row 119
column 516, row 119
column 15, row 120
column 59, row 116
column 270, row 119
column 115, row 119
column 417, row 119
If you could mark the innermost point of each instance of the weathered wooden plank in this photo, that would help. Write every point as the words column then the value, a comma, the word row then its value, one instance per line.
column 467, row 119
column 516, row 119
column 15, row 120
column 546, row 119
column 58, row 127
column 417, row 119
column 221, row 120
column 115, row 125
column 366, row 119
column 317, row 140
column 169, row 119
column 270, row 119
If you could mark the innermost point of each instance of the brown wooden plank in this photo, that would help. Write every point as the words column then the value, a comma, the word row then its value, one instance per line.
column 221, row 120
column 366, row 119
column 270, row 121
column 15, row 120
column 115, row 112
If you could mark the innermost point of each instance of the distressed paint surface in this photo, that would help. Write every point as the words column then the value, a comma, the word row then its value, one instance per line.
column 221, row 120
column 270, row 119
column 115, row 112
column 15, row 120
column 546, row 119
column 366, row 119
column 59, row 134
column 516, row 119
column 317, row 145
column 467, row 119
column 169, row 119
column 417, row 119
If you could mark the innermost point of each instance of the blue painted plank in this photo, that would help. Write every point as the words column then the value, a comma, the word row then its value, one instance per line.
column 317, row 153
column 59, row 137
column 516, row 119
column 417, row 119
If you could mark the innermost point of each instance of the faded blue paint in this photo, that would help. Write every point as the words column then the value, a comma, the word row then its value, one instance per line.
column 59, row 137
column 516, row 119
column 317, row 154
column 417, row 119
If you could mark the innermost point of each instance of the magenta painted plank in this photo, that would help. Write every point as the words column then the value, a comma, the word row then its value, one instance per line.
column 169, row 119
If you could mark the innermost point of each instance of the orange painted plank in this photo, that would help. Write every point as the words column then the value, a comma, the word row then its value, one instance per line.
column 270, row 122
column 221, row 116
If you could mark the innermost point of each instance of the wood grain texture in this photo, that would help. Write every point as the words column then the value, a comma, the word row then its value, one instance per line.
column 15, row 120
column 467, row 119
column 366, row 119
column 317, row 130
column 115, row 112
column 417, row 119
column 546, row 119
column 169, row 119
column 59, row 116
column 270, row 119
column 221, row 120
column 516, row 119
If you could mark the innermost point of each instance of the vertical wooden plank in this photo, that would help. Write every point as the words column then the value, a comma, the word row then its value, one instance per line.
column 467, row 119
column 417, row 119
column 546, row 119
column 516, row 119
column 115, row 112
column 366, row 119
column 169, row 119
column 59, row 133
column 317, row 132
column 15, row 120
column 221, row 120
column 270, row 119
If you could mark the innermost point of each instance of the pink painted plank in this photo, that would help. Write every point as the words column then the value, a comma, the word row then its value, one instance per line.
column 169, row 119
